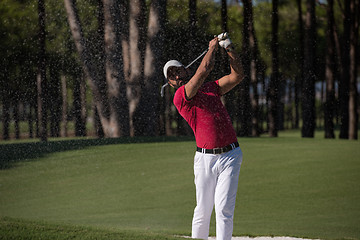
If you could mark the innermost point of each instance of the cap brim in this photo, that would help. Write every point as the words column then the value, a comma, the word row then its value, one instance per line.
column 171, row 63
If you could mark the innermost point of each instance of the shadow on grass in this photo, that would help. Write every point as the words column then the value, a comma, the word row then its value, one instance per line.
column 10, row 154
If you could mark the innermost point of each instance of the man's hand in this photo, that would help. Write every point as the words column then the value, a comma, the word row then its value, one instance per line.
column 213, row 44
column 224, row 40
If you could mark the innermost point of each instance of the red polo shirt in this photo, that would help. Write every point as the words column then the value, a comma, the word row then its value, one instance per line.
column 207, row 116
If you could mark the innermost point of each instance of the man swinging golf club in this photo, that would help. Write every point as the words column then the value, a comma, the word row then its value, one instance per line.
column 218, row 157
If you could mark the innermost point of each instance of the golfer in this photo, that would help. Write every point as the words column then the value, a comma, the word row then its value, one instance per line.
column 218, row 157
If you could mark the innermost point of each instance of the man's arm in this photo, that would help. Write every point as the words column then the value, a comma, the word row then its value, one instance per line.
column 206, row 66
column 236, row 75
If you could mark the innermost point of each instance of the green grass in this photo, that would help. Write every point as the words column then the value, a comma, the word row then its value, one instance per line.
column 25, row 229
column 288, row 186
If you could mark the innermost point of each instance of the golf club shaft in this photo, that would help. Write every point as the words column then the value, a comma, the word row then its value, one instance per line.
column 197, row 58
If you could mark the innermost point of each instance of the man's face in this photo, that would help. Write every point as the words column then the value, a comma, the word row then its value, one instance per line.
column 177, row 76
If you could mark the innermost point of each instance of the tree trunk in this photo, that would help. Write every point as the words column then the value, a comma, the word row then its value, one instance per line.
column 114, row 67
column 30, row 120
column 299, row 80
column 320, row 116
column 16, row 117
column 353, row 94
column 6, row 116
column 54, row 100
column 308, row 91
column 95, row 76
column 289, row 112
column 262, row 102
column 97, row 123
column 135, row 82
column 78, row 106
column 153, row 66
column 330, row 73
column 6, row 119
column 124, row 16
column 100, row 51
column 244, row 87
column 274, row 81
column 41, row 78
column 345, row 75
column 281, row 105
column 254, row 74
column 64, row 132
column 37, row 123
column 255, row 120
column 224, row 16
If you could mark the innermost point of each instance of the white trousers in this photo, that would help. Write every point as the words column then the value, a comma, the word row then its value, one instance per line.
column 216, row 181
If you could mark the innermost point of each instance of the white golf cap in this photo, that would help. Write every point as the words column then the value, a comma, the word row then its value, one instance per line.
column 171, row 63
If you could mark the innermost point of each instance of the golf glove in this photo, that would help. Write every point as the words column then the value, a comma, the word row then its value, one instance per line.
column 224, row 40
column 222, row 36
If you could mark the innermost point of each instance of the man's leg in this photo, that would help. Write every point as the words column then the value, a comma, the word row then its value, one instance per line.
column 205, row 181
column 225, row 194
